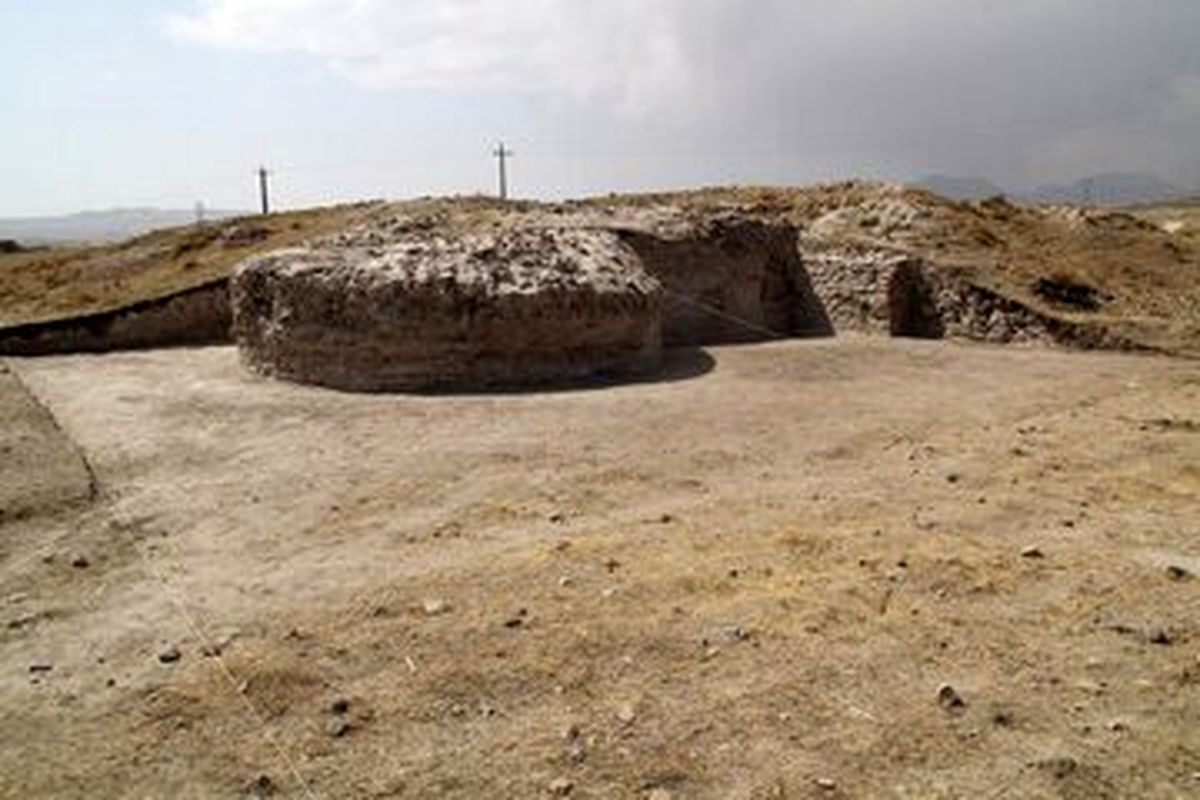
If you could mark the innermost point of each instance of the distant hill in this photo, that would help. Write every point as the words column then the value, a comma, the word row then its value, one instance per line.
column 101, row 226
column 1109, row 189
column 1113, row 188
column 959, row 188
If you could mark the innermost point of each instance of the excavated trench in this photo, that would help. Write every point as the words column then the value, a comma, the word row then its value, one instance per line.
column 912, row 305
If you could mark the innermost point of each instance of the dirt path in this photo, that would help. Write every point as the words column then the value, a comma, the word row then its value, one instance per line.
column 748, row 582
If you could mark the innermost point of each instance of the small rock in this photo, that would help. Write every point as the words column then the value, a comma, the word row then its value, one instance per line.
column 41, row 668
column 1162, row 637
column 666, row 519
column 339, row 706
column 1178, row 573
column 1059, row 768
column 1004, row 719
column 170, row 655
column 828, row 784
column 1032, row 552
column 949, row 698
column 80, row 562
column 660, row 794
column 953, row 477
column 626, row 713
column 337, row 727
column 577, row 752
column 517, row 620
column 217, row 647
column 561, row 787
column 260, row 788
column 565, row 582
column 435, row 607
column 612, row 565
column 572, row 732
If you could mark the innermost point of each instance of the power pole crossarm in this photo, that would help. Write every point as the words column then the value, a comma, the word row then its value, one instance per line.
column 502, row 155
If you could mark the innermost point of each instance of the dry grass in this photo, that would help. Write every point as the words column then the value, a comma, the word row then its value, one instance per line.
column 61, row 283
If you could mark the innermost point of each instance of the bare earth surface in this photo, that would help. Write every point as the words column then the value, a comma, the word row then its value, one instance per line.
column 847, row 568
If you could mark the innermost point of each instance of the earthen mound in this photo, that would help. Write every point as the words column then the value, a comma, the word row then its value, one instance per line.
column 418, row 307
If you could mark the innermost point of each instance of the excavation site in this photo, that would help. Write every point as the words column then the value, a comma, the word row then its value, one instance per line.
column 845, row 491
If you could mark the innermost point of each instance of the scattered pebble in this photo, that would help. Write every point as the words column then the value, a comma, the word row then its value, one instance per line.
column 1032, row 551
column 435, row 607
column 80, row 562
column 216, row 648
column 565, row 581
column 828, row 784
column 612, row 565
column 1178, row 573
column 949, row 698
column 561, row 787
column 659, row 794
column 1162, row 637
column 558, row 518
column 517, row 620
column 260, row 788
column 339, row 706
column 337, row 727
column 626, row 713
column 739, row 634
column 170, row 655
column 41, row 668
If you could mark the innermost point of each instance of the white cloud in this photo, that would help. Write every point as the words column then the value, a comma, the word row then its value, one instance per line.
column 627, row 47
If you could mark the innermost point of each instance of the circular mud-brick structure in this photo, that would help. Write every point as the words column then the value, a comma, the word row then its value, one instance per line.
column 443, row 310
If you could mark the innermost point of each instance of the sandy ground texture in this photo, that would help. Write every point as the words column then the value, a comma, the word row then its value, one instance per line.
column 846, row 568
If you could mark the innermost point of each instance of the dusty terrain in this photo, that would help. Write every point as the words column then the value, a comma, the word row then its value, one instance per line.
column 854, row 567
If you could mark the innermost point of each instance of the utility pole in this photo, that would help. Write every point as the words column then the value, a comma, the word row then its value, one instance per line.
column 264, row 190
column 199, row 212
column 502, row 155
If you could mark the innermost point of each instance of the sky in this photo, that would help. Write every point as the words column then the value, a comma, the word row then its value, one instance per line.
column 171, row 102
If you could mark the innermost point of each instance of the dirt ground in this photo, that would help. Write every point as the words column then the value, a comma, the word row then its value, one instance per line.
column 847, row 568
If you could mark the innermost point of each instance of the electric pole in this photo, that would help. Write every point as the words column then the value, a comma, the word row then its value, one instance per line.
column 502, row 155
column 199, row 212
column 264, row 190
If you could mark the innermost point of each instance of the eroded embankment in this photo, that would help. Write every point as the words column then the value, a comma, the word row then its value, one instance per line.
column 41, row 469
column 194, row 317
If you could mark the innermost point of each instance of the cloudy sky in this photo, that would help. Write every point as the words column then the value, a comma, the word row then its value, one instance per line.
column 166, row 102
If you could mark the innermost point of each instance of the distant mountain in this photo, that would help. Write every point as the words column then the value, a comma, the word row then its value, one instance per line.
column 1118, row 189
column 100, row 226
column 959, row 188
